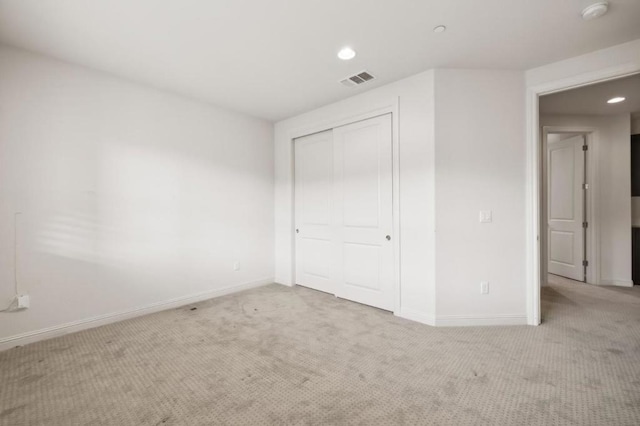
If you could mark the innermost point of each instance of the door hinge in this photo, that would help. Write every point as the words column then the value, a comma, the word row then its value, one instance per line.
column 585, row 147
column 585, row 186
column 585, row 263
column 585, row 224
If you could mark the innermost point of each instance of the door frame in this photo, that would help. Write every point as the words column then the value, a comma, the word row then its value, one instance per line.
column 592, row 234
column 534, row 170
column 388, row 108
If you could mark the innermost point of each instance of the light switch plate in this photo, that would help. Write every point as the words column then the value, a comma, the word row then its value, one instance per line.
column 485, row 216
column 484, row 287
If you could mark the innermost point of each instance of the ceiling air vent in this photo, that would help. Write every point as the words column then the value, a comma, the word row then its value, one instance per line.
column 357, row 79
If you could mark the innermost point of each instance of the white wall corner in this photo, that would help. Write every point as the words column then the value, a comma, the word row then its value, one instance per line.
column 417, row 316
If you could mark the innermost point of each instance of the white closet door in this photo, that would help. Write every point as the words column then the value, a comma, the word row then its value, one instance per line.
column 565, row 176
column 313, row 203
column 363, row 212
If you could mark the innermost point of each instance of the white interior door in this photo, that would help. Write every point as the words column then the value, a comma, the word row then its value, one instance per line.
column 343, row 212
column 565, row 207
column 313, row 203
column 363, row 212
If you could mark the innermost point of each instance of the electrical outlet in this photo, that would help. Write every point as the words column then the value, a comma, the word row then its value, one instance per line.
column 23, row 301
column 236, row 266
column 485, row 216
column 484, row 287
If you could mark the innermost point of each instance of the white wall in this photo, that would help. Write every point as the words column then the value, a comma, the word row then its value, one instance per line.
column 450, row 142
column 480, row 165
column 129, row 196
column 635, row 124
column 590, row 67
column 614, row 190
column 415, row 98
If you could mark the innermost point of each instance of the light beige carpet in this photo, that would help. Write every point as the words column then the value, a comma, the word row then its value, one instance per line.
column 278, row 355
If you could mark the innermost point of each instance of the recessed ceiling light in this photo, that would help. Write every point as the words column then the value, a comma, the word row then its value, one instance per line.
column 595, row 10
column 346, row 53
column 616, row 100
column 439, row 29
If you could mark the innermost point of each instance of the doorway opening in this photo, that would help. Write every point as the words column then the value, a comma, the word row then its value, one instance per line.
column 565, row 204
column 584, row 184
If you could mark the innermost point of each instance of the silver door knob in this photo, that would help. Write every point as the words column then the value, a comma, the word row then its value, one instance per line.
column 388, row 237
column 297, row 231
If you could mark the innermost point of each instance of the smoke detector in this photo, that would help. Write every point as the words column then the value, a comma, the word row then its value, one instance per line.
column 595, row 10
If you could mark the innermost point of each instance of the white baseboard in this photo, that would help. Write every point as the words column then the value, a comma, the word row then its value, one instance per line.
column 414, row 315
column 461, row 320
column 619, row 283
column 466, row 321
column 84, row 324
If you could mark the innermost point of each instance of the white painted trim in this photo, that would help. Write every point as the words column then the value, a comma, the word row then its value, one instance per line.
column 618, row 283
column 462, row 320
column 466, row 321
column 389, row 107
column 533, row 210
column 417, row 316
column 593, row 213
column 533, row 168
column 75, row 326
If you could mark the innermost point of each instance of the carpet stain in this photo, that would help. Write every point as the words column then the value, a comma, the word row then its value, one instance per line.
column 7, row 411
column 164, row 420
column 32, row 379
